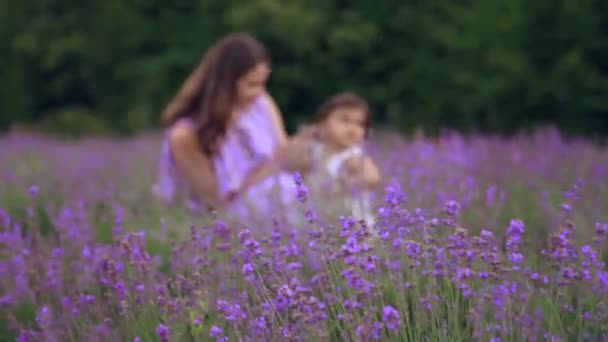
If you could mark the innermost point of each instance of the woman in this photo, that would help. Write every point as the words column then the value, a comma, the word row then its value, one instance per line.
column 223, row 131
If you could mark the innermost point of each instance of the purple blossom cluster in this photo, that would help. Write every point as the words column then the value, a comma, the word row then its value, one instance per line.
column 482, row 239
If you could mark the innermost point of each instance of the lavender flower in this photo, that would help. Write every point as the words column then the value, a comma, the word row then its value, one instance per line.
column 218, row 333
column 390, row 317
column 301, row 190
column 33, row 191
column 232, row 312
column 162, row 331
column 452, row 208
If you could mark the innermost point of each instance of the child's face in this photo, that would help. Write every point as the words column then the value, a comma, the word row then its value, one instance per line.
column 344, row 127
column 253, row 83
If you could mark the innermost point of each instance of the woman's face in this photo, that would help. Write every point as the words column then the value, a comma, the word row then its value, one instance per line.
column 253, row 84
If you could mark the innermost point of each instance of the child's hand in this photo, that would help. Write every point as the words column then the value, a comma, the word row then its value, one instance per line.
column 371, row 174
column 352, row 167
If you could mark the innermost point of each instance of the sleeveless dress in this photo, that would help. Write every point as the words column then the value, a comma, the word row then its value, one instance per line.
column 326, row 178
column 250, row 141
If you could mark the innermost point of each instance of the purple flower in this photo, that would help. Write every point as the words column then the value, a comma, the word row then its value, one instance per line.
column 292, row 266
column 88, row 299
column 390, row 317
column 258, row 327
column 86, row 252
column 394, row 195
column 516, row 228
column 516, row 258
column 5, row 300
column 568, row 273
column 602, row 278
column 463, row 273
column 218, row 333
column 232, row 312
column 120, row 289
column 452, row 208
column 163, row 332
column 284, row 297
column 359, row 331
column 23, row 337
column 466, row 291
column 33, row 191
column 486, row 235
column 310, row 215
column 43, row 316
column 483, row 275
column 566, row 208
column 251, row 246
column 412, row 249
column 248, row 271
column 600, row 228
column 551, row 338
column 297, row 178
column 301, row 190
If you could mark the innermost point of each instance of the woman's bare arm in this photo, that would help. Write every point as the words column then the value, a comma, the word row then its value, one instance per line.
column 264, row 170
column 294, row 155
column 291, row 153
column 194, row 165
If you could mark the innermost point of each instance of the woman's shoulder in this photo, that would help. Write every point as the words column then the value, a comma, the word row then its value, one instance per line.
column 182, row 134
column 183, row 123
column 181, row 126
column 266, row 100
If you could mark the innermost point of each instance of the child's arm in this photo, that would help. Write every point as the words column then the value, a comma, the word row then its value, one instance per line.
column 371, row 174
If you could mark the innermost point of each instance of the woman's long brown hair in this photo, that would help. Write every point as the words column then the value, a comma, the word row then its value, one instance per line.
column 209, row 93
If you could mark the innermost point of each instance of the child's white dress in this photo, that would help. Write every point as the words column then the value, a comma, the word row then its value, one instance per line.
column 327, row 177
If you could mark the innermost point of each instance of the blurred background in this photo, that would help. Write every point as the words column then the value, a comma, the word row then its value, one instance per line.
column 76, row 68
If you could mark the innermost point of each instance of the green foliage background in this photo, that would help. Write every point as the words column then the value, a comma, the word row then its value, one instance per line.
column 492, row 65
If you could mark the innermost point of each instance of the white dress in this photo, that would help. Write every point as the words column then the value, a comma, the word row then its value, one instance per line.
column 328, row 171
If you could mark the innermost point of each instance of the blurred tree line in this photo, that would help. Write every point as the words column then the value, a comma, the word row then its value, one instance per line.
column 473, row 65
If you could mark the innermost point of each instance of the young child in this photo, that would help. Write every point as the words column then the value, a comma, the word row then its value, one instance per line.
column 337, row 165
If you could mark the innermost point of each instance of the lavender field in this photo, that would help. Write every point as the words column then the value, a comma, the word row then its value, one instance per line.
column 479, row 239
